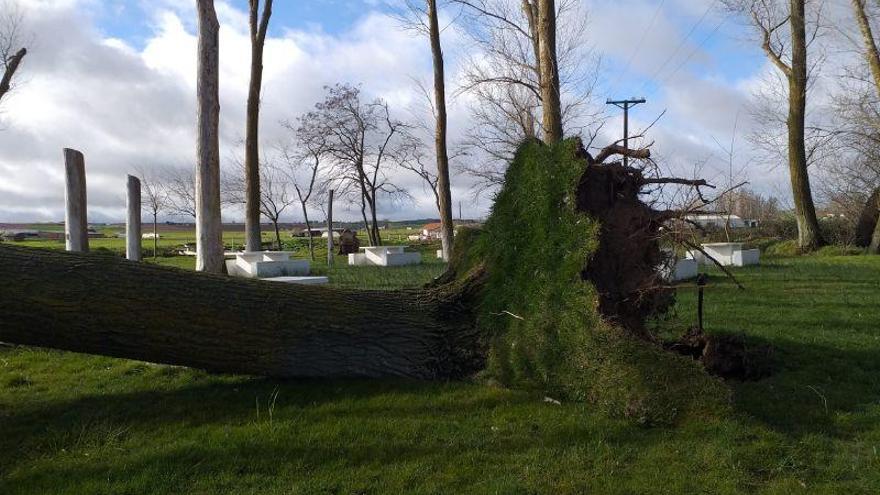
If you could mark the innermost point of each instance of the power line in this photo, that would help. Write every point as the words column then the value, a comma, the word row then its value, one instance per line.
column 691, row 54
column 680, row 45
column 638, row 47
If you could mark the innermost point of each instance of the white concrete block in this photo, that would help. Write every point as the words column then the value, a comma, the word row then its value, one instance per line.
column 357, row 259
column 679, row 269
column 746, row 257
column 401, row 259
column 289, row 268
column 721, row 251
column 685, row 269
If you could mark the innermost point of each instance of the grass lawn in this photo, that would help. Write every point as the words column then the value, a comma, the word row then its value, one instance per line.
column 81, row 424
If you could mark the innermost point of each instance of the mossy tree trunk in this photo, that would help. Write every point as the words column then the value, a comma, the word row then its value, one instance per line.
column 105, row 305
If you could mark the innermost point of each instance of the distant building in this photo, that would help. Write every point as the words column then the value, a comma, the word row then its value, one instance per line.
column 431, row 230
column 714, row 221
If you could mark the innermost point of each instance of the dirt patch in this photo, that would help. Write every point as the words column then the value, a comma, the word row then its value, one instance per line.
column 724, row 355
column 624, row 269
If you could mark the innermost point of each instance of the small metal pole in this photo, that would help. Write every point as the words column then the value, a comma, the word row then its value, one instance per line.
column 701, row 284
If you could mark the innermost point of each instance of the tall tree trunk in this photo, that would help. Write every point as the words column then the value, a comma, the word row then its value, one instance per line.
column 11, row 66
column 872, row 56
column 809, row 236
column 551, row 105
column 447, row 229
column 155, row 236
column 277, row 234
column 232, row 325
column 874, row 246
column 253, row 236
column 209, row 229
column 309, row 229
column 375, row 221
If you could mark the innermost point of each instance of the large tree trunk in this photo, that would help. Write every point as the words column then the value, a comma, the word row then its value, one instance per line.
column 551, row 106
column 209, row 229
column 871, row 53
column 103, row 305
column 874, row 246
column 809, row 236
column 253, row 236
column 447, row 229
column 872, row 56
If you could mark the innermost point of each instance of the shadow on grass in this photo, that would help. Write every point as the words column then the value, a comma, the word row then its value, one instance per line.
column 812, row 387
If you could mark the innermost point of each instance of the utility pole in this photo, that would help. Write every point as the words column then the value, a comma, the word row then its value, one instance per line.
column 625, row 105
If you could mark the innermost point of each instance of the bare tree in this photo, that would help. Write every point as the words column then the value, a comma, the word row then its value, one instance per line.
column 504, row 78
column 155, row 201
column 360, row 136
column 782, row 29
column 275, row 193
column 11, row 50
column 411, row 156
column 209, row 229
column 303, row 167
column 180, row 187
column 253, row 236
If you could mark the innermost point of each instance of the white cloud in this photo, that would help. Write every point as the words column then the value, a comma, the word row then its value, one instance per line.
column 129, row 106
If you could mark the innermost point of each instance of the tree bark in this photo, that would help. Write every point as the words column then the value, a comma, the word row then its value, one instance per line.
column 447, row 229
column 872, row 56
column 155, row 235
column 253, row 236
column 133, row 219
column 11, row 67
column 277, row 234
column 551, row 106
column 309, row 230
column 76, row 225
column 329, row 230
column 209, row 229
column 809, row 236
column 101, row 305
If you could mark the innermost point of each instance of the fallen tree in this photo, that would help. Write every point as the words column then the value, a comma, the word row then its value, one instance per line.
column 553, row 293
column 105, row 305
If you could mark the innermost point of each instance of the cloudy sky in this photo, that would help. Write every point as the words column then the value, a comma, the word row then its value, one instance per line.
column 116, row 80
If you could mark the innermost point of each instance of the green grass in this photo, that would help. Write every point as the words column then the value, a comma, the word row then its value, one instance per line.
column 81, row 424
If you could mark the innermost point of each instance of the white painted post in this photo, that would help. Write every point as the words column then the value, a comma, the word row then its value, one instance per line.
column 76, row 228
column 133, row 220
column 330, row 231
